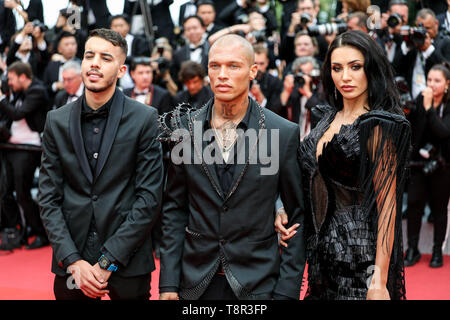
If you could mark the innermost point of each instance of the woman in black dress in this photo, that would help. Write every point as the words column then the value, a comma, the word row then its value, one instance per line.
column 353, row 166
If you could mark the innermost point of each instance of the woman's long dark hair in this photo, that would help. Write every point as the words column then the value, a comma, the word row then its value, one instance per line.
column 382, row 89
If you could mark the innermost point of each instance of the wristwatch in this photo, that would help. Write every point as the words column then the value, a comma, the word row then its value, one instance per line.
column 106, row 264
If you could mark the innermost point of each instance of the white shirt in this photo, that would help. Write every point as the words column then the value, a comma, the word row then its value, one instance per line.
column 21, row 132
column 78, row 94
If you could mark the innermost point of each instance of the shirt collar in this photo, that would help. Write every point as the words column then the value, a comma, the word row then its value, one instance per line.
column 107, row 105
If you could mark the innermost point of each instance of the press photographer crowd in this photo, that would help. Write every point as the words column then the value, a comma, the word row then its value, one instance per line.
column 167, row 65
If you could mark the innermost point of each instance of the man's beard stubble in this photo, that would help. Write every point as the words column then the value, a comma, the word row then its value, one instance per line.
column 110, row 82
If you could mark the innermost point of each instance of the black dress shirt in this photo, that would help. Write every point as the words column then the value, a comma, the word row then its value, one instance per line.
column 93, row 123
column 225, row 171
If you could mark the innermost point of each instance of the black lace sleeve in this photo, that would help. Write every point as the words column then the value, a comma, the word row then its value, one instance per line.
column 385, row 145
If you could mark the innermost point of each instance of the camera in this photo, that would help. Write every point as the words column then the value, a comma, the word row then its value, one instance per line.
column 4, row 84
column 433, row 162
column 406, row 100
column 299, row 78
column 40, row 25
column 414, row 36
column 305, row 18
column 163, row 64
column 394, row 20
column 327, row 28
column 259, row 35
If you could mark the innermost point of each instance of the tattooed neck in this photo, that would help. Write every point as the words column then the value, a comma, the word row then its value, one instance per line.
column 231, row 111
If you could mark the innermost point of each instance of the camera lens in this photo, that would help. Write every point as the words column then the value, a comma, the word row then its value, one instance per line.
column 394, row 20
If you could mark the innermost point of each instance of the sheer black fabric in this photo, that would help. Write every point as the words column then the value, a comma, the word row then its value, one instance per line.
column 355, row 188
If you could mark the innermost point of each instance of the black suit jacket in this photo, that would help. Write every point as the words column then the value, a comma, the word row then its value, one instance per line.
column 162, row 99
column 101, row 13
column 124, row 192
column 60, row 99
column 196, row 101
column 203, row 227
column 160, row 16
column 7, row 25
column 35, row 10
column 35, row 105
column 183, row 11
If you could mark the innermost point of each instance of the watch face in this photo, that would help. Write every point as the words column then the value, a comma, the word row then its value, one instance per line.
column 103, row 263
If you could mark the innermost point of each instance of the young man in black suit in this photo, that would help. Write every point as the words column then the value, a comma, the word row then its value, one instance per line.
column 218, row 218
column 144, row 90
column 100, row 182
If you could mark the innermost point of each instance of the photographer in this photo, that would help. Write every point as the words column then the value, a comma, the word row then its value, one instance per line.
column 161, row 60
column 424, row 49
column 388, row 36
column 265, row 88
column 305, row 16
column 430, row 170
column 29, row 46
column 238, row 12
column 300, row 93
column 27, row 111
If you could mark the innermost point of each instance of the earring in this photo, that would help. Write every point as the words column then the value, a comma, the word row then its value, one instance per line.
column 335, row 93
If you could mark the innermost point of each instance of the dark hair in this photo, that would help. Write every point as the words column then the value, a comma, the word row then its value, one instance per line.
column 362, row 18
column 382, row 89
column 20, row 68
column 123, row 16
column 397, row 2
column 444, row 67
column 111, row 36
column 65, row 34
column 195, row 17
column 189, row 70
column 139, row 61
column 208, row 2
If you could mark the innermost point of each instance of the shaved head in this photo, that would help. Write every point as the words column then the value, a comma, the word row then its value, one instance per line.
column 232, row 41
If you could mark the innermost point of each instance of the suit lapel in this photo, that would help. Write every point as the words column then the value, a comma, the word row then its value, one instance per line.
column 248, row 149
column 77, row 138
column 115, row 114
column 209, row 169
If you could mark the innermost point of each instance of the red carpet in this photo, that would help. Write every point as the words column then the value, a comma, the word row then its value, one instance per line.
column 25, row 275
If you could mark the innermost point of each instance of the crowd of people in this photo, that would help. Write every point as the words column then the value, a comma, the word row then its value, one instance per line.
column 169, row 65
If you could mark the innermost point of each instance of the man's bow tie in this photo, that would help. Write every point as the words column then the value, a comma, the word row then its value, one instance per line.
column 195, row 48
column 140, row 93
column 88, row 115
